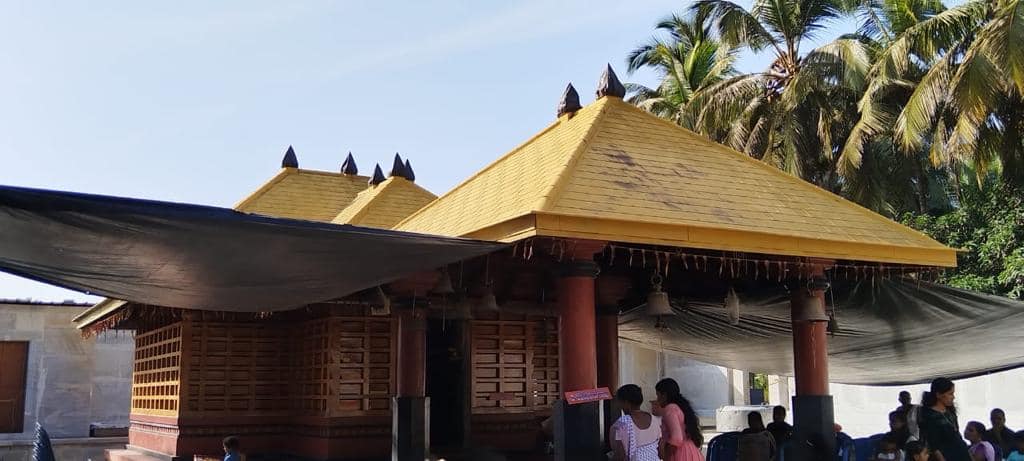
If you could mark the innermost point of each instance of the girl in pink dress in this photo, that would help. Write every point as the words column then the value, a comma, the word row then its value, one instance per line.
column 681, row 438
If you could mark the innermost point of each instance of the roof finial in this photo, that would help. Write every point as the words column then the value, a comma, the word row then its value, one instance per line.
column 408, row 171
column 349, row 166
column 378, row 176
column 398, row 167
column 290, row 160
column 570, row 102
column 609, row 84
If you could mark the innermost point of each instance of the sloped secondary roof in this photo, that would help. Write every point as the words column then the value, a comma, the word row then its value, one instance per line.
column 614, row 172
column 304, row 194
column 384, row 205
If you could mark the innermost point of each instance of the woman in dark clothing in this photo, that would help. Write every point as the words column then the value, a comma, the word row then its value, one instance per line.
column 939, row 427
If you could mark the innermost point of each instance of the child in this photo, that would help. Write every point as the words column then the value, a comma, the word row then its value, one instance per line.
column 889, row 449
column 917, row 451
column 231, row 446
column 1018, row 453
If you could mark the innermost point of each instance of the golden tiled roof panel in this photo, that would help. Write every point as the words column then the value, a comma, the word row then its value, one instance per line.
column 640, row 168
column 304, row 194
column 614, row 172
column 514, row 185
column 384, row 205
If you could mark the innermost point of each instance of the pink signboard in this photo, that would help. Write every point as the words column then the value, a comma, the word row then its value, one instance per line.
column 588, row 395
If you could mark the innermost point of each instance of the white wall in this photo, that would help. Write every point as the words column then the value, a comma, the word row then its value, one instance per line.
column 861, row 410
column 71, row 382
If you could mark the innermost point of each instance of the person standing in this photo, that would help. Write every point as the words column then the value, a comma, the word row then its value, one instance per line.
column 780, row 429
column 980, row 449
column 1000, row 436
column 939, row 427
column 681, row 438
column 636, row 434
column 898, row 428
column 911, row 412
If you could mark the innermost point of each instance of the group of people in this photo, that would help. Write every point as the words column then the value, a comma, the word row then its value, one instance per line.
column 931, row 431
column 671, row 432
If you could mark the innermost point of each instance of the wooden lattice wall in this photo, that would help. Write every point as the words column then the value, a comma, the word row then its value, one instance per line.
column 237, row 368
column 362, row 364
column 514, row 364
column 157, row 373
column 339, row 365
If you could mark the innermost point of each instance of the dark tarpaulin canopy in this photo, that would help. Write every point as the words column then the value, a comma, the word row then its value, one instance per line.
column 889, row 332
column 201, row 257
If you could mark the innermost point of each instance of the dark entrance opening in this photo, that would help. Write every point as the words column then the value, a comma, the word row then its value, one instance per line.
column 446, row 384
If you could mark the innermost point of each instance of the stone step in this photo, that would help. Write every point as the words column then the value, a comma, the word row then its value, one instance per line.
column 129, row 455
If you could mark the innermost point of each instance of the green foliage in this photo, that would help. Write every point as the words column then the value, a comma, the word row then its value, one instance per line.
column 989, row 227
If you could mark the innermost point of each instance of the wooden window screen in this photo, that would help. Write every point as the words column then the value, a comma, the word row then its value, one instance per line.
column 310, row 375
column 362, row 365
column 157, row 373
column 514, row 363
column 238, row 368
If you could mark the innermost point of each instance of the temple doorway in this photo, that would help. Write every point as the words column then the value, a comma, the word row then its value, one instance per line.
column 446, row 384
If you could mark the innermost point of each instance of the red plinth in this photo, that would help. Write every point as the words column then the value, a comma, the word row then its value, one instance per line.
column 577, row 353
column 412, row 355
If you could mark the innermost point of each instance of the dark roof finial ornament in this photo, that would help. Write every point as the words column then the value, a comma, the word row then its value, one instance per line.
column 398, row 167
column 349, row 166
column 408, row 171
column 290, row 160
column 570, row 102
column 378, row 176
column 609, row 84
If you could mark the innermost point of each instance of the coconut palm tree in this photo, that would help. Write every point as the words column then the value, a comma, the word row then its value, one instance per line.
column 963, row 70
column 687, row 58
column 794, row 113
column 885, row 177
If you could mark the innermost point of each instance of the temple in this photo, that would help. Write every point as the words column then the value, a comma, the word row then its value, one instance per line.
column 606, row 210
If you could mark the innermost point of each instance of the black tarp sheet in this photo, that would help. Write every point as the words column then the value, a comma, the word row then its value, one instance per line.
column 201, row 257
column 890, row 331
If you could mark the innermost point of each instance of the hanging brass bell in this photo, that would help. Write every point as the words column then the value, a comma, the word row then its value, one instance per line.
column 382, row 305
column 657, row 300
column 443, row 285
column 488, row 302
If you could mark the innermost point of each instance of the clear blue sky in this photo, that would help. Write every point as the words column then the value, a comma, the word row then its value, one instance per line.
column 196, row 101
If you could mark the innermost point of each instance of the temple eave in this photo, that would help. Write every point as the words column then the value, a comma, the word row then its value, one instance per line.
column 540, row 224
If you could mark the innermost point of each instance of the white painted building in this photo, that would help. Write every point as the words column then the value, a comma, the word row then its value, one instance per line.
column 78, row 389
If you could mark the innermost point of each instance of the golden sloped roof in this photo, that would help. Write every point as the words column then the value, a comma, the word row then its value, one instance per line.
column 304, row 194
column 384, row 205
column 614, row 172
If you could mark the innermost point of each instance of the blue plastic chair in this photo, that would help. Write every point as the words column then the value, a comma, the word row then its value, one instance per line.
column 867, row 446
column 846, row 449
column 723, row 447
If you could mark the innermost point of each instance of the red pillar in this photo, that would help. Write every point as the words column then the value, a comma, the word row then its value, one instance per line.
column 577, row 427
column 813, row 415
column 810, row 337
column 412, row 355
column 577, row 351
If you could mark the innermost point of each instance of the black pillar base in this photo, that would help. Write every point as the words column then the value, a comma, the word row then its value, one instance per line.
column 410, row 428
column 578, row 431
column 814, row 436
